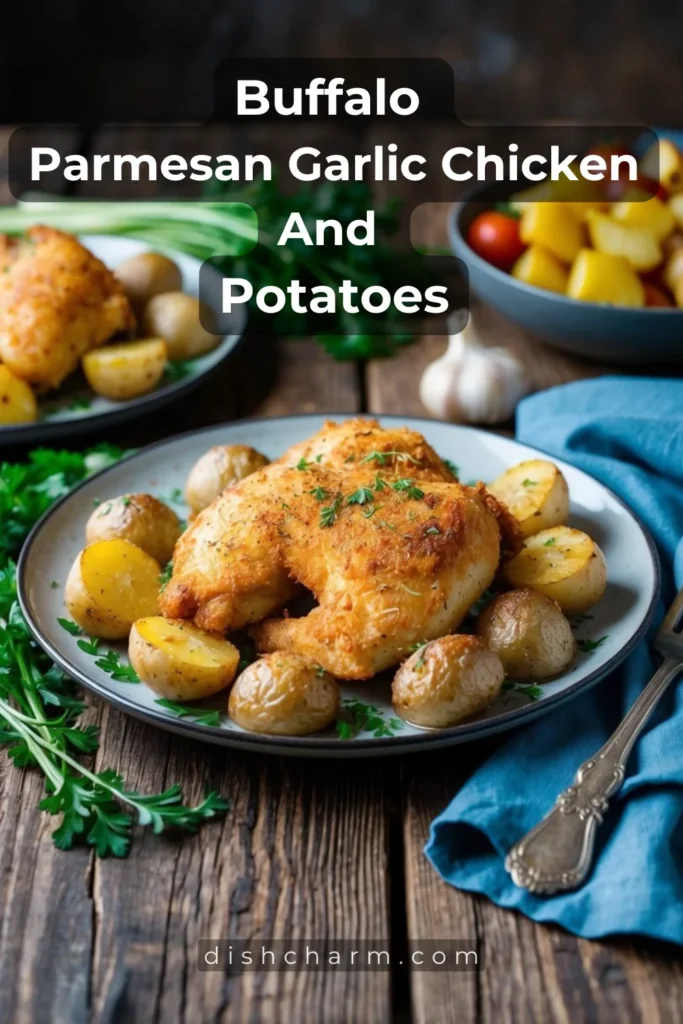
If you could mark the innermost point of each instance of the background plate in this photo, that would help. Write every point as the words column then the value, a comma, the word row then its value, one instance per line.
column 76, row 409
column 622, row 617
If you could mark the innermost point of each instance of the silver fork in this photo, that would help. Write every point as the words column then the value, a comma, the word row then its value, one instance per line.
column 556, row 855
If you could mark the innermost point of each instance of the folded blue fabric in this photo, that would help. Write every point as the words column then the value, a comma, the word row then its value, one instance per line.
column 627, row 432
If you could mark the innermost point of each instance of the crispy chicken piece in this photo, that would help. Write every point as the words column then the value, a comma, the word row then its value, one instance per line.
column 57, row 301
column 371, row 521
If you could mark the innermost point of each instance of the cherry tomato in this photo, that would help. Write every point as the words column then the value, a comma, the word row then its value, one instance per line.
column 655, row 296
column 495, row 238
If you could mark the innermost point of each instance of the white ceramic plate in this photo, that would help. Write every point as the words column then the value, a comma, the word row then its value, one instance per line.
column 76, row 409
column 621, row 618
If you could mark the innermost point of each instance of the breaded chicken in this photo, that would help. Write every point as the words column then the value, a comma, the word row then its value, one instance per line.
column 370, row 521
column 57, row 302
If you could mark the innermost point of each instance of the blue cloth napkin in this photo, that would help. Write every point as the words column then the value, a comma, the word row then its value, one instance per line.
column 627, row 432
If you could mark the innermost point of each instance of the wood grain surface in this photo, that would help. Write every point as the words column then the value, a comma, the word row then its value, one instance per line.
column 308, row 849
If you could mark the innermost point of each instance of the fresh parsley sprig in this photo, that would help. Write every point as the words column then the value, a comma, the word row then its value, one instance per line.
column 40, row 706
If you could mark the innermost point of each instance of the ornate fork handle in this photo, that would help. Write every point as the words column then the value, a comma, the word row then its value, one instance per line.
column 557, row 853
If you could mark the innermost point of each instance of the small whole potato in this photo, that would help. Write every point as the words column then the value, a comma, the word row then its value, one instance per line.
column 529, row 633
column 178, row 660
column 174, row 317
column 146, row 275
column 447, row 680
column 140, row 518
column 217, row 469
column 564, row 564
column 283, row 694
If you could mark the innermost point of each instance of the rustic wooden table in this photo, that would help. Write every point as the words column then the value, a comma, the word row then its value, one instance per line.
column 307, row 849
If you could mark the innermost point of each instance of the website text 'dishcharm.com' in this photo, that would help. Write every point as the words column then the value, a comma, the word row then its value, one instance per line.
column 235, row 955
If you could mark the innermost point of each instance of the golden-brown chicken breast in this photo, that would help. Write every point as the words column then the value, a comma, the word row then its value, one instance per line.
column 392, row 547
column 57, row 301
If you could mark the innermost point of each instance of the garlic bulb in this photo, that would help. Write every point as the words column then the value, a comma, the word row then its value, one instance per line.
column 471, row 382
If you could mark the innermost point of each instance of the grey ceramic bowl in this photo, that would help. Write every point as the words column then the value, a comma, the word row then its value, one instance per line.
column 612, row 333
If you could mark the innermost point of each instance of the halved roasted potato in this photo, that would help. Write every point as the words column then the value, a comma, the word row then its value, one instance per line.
column 564, row 564
column 127, row 370
column 180, row 661
column 536, row 494
column 140, row 518
column 17, row 401
column 110, row 585
column 529, row 633
column 284, row 694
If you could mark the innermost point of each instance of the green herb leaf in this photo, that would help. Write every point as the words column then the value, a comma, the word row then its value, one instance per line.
column 591, row 645
column 362, row 496
column 328, row 514
column 70, row 627
column 203, row 716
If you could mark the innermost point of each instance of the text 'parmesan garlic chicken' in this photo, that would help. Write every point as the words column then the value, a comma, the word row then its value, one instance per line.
column 57, row 302
column 371, row 521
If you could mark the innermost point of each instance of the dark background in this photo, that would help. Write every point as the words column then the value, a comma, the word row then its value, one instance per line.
column 513, row 60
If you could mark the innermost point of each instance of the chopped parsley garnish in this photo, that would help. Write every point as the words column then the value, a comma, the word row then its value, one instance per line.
column 452, row 467
column 165, row 576
column 302, row 463
column 368, row 512
column 529, row 483
column 119, row 670
column 202, row 716
column 319, row 493
column 361, row 717
column 591, row 645
column 379, row 484
column 432, row 530
column 329, row 513
column 70, row 627
column 549, row 542
column 362, row 496
column 383, row 458
column 408, row 488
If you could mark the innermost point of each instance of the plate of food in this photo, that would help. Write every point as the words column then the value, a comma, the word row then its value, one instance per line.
column 97, row 330
column 594, row 268
column 338, row 587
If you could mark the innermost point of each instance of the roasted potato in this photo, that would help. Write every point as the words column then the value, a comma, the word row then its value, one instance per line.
column 446, row 681
column 536, row 494
column 221, row 466
column 17, row 401
column 175, row 318
column 179, row 661
column 126, row 371
column 652, row 214
column 538, row 267
column 529, row 633
column 110, row 585
column 284, row 695
column 602, row 277
column 554, row 227
column 636, row 244
column 663, row 162
column 564, row 564
column 147, row 275
column 139, row 518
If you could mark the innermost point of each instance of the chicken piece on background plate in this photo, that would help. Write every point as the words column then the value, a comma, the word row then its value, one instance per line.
column 57, row 302
column 393, row 548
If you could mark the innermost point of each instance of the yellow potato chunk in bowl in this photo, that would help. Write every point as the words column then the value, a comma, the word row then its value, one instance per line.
column 564, row 564
column 110, row 585
column 536, row 494
column 178, row 660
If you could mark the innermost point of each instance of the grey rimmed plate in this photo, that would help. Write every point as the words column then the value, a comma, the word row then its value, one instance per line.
column 621, row 618
column 76, row 409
